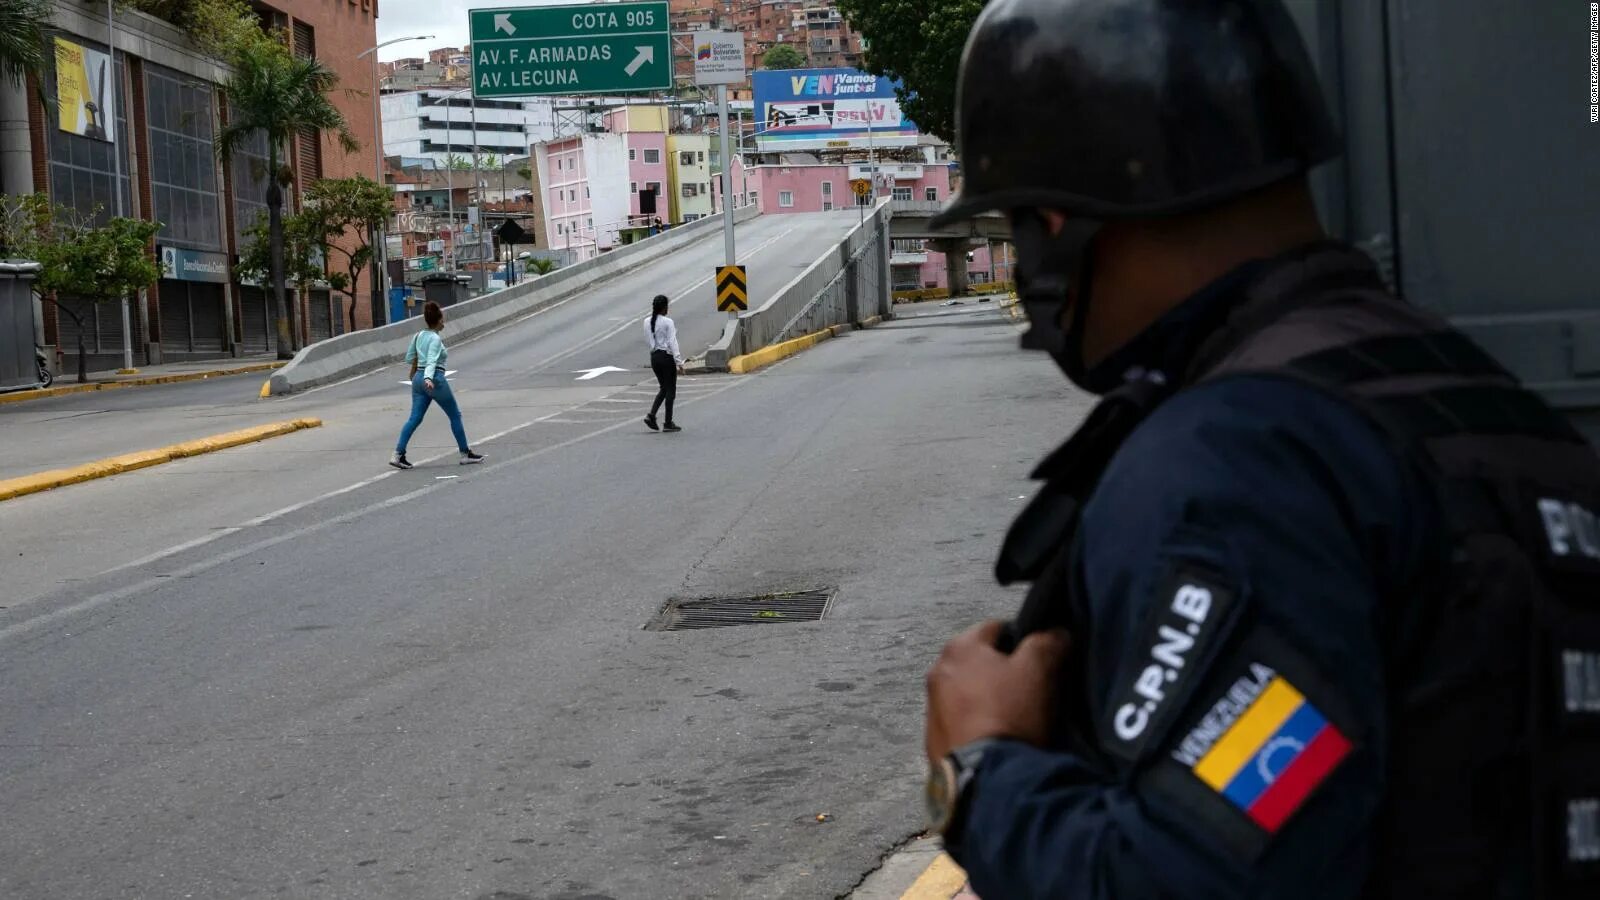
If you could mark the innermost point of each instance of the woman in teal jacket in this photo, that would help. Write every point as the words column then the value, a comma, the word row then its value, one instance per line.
column 428, row 385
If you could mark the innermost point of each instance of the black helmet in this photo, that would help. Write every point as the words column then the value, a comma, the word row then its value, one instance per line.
column 1122, row 108
column 1115, row 109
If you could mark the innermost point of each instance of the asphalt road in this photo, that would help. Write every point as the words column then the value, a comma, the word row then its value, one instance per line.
column 596, row 328
column 399, row 685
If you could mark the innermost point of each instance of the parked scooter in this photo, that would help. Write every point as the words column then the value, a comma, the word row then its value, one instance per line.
column 45, row 376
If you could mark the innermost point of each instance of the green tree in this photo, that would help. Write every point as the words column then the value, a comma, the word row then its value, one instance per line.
column 491, row 161
column 542, row 266
column 300, row 265
column 457, row 163
column 94, row 263
column 783, row 56
column 526, row 174
column 341, row 214
column 918, row 42
column 22, row 47
column 283, row 95
column 219, row 28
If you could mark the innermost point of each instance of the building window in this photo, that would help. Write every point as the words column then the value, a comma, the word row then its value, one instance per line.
column 786, row 199
column 633, row 187
column 652, row 157
column 686, row 158
column 902, row 193
column 248, row 170
column 702, row 155
column 586, row 191
column 632, row 154
column 827, row 189
column 755, row 198
column 183, row 172
column 81, row 168
column 572, row 195
column 932, row 194
column 653, row 187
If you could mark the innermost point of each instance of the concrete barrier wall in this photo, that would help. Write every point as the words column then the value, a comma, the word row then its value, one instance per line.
column 848, row 284
column 362, row 351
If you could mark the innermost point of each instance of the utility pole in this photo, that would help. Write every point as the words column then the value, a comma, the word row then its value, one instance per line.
column 472, row 100
column 116, row 162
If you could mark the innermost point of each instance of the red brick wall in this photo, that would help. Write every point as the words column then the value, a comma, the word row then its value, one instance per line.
column 139, row 122
column 344, row 29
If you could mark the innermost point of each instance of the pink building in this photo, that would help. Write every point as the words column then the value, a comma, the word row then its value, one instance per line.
column 568, row 196
column 796, row 187
column 644, row 132
column 594, row 184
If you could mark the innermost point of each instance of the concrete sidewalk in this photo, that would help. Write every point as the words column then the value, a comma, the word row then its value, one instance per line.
column 167, row 373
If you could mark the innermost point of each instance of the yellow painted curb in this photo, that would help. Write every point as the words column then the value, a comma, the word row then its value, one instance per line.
column 22, row 396
column 266, row 389
column 939, row 881
column 766, row 356
column 128, row 462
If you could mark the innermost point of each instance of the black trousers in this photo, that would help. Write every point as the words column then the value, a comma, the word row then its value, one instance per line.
column 666, row 369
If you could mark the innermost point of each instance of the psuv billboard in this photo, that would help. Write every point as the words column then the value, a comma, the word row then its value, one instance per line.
column 823, row 109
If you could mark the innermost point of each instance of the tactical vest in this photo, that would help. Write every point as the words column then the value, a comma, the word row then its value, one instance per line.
column 1493, row 660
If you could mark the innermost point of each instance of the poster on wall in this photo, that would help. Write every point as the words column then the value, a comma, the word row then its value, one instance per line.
column 828, row 109
column 85, row 91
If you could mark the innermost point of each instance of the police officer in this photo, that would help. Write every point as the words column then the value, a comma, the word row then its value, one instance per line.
column 1313, row 605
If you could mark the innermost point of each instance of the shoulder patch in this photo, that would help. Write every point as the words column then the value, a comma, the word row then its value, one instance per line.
column 1192, row 611
column 1264, row 747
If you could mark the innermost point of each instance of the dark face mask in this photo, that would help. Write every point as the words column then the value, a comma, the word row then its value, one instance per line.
column 1053, row 270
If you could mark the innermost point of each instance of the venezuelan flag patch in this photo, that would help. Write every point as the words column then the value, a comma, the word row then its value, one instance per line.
column 1273, row 756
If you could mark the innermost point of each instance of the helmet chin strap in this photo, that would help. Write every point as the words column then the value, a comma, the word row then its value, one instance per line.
column 1049, row 267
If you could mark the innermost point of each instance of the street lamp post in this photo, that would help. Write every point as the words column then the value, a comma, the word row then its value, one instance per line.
column 379, row 235
column 450, row 169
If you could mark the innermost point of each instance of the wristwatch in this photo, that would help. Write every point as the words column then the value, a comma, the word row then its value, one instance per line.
column 949, row 786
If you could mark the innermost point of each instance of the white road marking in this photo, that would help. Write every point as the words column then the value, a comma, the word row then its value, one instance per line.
column 447, row 374
column 747, row 255
column 101, row 599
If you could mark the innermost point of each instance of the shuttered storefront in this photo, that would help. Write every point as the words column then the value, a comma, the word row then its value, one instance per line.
column 257, row 322
column 321, row 320
column 192, row 320
column 102, row 334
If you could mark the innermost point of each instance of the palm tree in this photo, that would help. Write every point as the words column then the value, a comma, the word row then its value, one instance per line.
column 283, row 95
column 22, row 25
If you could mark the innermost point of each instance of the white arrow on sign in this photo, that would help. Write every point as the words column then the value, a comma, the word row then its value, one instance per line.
column 502, row 22
column 588, row 374
column 646, row 55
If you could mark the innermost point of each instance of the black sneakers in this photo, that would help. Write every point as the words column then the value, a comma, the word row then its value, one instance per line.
column 671, row 427
column 650, row 422
column 471, row 458
column 399, row 461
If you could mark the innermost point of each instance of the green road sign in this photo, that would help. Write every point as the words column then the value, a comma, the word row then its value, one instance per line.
column 594, row 48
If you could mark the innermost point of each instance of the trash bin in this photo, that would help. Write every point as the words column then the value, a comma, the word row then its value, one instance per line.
column 445, row 289
column 17, row 366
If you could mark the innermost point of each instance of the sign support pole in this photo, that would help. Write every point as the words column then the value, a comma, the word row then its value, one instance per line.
column 116, row 161
column 727, row 182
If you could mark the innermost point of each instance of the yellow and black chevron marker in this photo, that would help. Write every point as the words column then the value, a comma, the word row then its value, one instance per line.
column 732, row 291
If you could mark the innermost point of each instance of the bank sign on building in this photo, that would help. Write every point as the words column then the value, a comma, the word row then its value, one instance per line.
column 828, row 109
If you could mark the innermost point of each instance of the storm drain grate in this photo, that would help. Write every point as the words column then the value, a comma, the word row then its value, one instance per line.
column 766, row 609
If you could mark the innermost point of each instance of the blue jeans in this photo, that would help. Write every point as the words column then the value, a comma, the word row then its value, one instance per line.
column 420, row 401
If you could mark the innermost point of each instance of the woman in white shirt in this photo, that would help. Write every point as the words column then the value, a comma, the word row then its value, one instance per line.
column 665, row 360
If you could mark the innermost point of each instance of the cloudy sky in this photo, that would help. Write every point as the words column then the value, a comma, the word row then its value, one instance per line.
column 445, row 19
